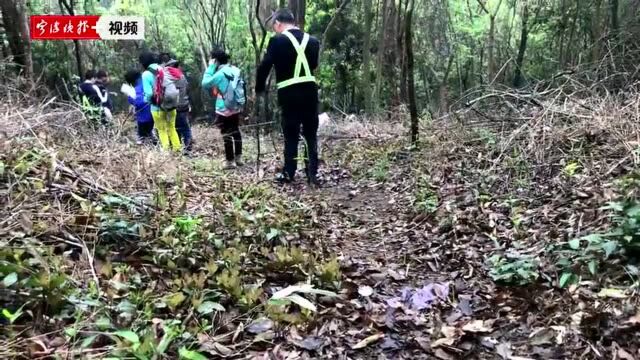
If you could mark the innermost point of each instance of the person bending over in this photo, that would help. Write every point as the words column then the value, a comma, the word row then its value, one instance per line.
column 91, row 97
column 102, row 81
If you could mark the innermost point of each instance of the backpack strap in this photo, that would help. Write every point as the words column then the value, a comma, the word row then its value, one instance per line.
column 301, row 62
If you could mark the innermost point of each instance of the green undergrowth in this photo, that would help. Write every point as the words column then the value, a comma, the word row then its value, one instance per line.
column 144, row 277
column 371, row 161
column 501, row 186
column 609, row 257
column 588, row 256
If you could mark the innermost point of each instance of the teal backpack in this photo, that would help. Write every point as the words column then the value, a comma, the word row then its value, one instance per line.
column 235, row 94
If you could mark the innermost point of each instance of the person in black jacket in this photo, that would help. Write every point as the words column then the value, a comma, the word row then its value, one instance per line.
column 91, row 98
column 102, row 81
column 294, row 55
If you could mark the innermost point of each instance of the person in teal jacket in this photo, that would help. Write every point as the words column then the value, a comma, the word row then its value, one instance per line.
column 165, row 121
column 215, row 81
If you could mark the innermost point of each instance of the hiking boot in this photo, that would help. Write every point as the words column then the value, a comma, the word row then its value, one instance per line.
column 187, row 154
column 239, row 161
column 229, row 165
column 313, row 182
column 283, row 178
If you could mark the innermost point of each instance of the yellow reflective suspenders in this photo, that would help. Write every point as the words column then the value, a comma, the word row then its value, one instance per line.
column 301, row 63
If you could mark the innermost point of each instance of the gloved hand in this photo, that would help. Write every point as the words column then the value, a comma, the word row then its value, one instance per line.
column 128, row 90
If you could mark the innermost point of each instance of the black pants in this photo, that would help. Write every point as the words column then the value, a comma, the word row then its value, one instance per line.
column 145, row 132
column 231, row 135
column 184, row 129
column 296, row 119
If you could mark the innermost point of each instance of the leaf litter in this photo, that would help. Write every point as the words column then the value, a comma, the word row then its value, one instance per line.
column 452, row 251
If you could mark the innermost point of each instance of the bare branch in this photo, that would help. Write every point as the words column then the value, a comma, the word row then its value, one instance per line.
column 333, row 21
column 483, row 6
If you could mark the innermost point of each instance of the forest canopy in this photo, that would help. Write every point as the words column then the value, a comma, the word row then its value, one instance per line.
column 457, row 45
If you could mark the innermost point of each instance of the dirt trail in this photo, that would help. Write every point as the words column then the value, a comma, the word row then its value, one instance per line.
column 390, row 253
column 384, row 248
column 430, row 293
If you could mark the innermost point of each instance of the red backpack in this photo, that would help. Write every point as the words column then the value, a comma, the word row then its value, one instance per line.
column 166, row 94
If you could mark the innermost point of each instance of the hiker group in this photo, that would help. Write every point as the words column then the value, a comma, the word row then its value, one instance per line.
column 159, row 96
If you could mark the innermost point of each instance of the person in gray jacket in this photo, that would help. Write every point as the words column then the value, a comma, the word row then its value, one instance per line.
column 184, row 106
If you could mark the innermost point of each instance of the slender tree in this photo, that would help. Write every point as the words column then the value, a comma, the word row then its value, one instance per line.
column 491, row 39
column 298, row 7
column 381, row 51
column 413, row 106
column 365, row 84
column 596, row 30
column 16, row 25
column 69, row 6
column 524, row 33
column 613, row 8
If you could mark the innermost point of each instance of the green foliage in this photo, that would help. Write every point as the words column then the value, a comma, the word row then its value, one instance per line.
column 380, row 170
column 329, row 273
column 426, row 199
column 191, row 355
column 586, row 255
column 487, row 137
column 254, row 214
column 372, row 163
column 12, row 317
column 570, row 169
column 520, row 168
column 514, row 269
column 150, row 264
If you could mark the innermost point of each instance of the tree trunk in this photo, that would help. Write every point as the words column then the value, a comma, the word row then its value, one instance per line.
column 365, row 84
column 413, row 107
column 561, row 30
column 26, row 41
column 524, row 33
column 425, row 84
column 9, row 17
column 443, row 88
column 596, row 31
column 613, row 8
column 5, row 50
column 297, row 7
column 16, row 24
column 78, row 54
column 490, row 50
column 343, row 81
column 381, row 51
column 268, row 6
column 491, row 64
column 400, row 33
column 69, row 5
column 569, row 53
